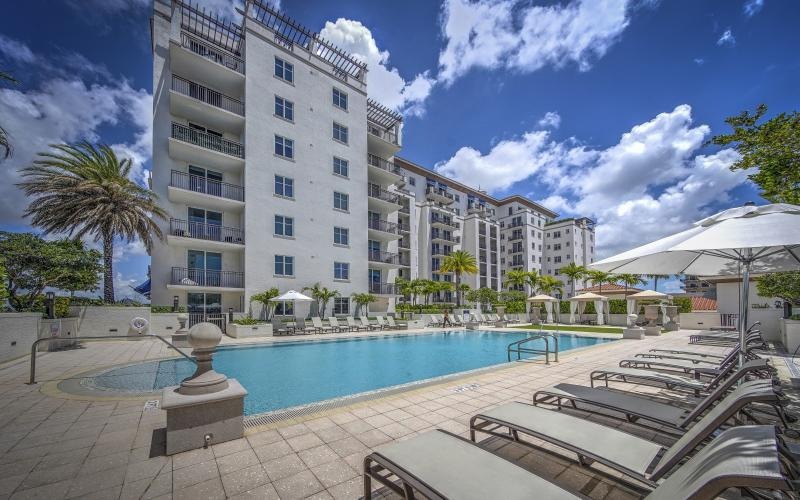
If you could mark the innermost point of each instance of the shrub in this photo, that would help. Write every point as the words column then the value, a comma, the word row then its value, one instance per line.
column 247, row 321
column 684, row 304
column 166, row 309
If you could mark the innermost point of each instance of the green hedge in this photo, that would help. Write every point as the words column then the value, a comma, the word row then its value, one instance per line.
column 166, row 309
column 684, row 304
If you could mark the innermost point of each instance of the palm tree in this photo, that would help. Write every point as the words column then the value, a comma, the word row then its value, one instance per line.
column 459, row 262
column 363, row 299
column 429, row 287
column 321, row 295
column 517, row 278
column 574, row 272
column 325, row 295
column 600, row 277
column 655, row 278
column 533, row 279
column 265, row 298
column 629, row 279
column 549, row 285
column 5, row 143
column 85, row 190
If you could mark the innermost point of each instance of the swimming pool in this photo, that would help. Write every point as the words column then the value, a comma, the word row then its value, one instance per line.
column 286, row 374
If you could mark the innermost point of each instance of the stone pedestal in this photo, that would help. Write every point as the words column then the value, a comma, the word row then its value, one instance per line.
column 671, row 313
column 472, row 325
column 180, row 337
column 652, row 331
column 637, row 333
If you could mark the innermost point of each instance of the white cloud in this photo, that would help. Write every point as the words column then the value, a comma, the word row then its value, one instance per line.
column 699, row 61
column 651, row 183
column 753, row 7
column 550, row 119
column 727, row 39
column 492, row 34
column 16, row 50
column 384, row 83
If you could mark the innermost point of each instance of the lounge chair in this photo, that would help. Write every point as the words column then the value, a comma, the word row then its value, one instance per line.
column 317, row 322
column 435, row 321
column 690, row 366
column 457, row 320
column 334, row 322
column 440, row 465
column 365, row 323
column 351, row 322
column 393, row 325
column 301, row 326
column 636, row 457
column 278, row 328
column 382, row 324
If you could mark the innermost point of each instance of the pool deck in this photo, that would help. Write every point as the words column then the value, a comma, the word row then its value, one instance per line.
column 55, row 445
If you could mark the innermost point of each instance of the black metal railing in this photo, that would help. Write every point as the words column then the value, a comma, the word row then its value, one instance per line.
column 212, row 53
column 436, row 219
column 382, row 225
column 376, row 191
column 207, row 278
column 207, row 95
column 403, row 227
column 386, row 135
column 405, row 210
column 433, row 191
column 382, row 163
column 205, row 140
column 441, row 236
column 404, row 244
column 205, row 231
column 515, row 237
column 199, row 184
column 383, row 288
column 384, row 257
column 516, row 224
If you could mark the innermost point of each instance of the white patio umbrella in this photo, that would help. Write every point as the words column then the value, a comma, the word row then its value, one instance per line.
column 548, row 304
column 737, row 241
column 294, row 297
column 579, row 301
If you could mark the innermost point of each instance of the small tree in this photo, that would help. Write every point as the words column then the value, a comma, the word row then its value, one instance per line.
column 325, row 295
column 655, row 278
column 459, row 262
column 785, row 286
column 574, row 272
column 33, row 264
column 486, row 296
column 516, row 278
column 265, row 299
column 600, row 277
column 363, row 300
column 629, row 279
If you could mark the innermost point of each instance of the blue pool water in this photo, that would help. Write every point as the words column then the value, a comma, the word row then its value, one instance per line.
column 288, row 374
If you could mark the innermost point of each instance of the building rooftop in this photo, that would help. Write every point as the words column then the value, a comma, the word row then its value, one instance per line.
column 703, row 304
column 381, row 115
column 210, row 26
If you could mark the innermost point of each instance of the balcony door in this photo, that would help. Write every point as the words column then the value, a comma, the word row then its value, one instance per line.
column 205, row 181
column 204, row 268
column 203, row 307
column 373, row 220
column 374, row 249
column 374, row 280
column 205, row 224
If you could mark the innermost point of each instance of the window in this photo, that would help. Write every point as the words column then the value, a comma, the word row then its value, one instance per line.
column 557, row 246
column 284, row 308
column 284, row 147
column 284, row 70
column 568, row 243
column 341, row 271
column 557, row 259
column 284, row 265
column 339, row 99
column 412, row 181
column 339, row 132
column 556, row 234
column 341, row 236
column 341, row 167
column 284, row 108
column 284, row 186
column 284, row 226
column 341, row 305
column 341, row 201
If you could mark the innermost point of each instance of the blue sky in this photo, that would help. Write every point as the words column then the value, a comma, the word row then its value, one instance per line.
column 597, row 108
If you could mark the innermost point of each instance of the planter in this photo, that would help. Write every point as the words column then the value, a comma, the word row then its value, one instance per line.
column 245, row 331
column 790, row 334
column 633, row 333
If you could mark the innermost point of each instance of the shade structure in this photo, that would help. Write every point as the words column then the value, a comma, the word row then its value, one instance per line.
column 548, row 304
column 643, row 295
column 579, row 302
column 737, row 241
column 293, row 297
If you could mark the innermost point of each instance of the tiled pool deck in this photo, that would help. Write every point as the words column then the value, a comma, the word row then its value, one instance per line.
column 54, row 445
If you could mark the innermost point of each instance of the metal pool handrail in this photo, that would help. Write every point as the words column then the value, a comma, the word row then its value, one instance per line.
column 32, row 379
column 517, row 347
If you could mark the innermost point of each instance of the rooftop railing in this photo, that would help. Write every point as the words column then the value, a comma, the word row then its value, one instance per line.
column 203, row 185
column 207, row 95
column 205, row 140
column 205, row 231
column 206, row 278
column 384, row 257
column 382, row 163
column 386, row 135
column 211, row 52
column 382, row 225
column 376, row 191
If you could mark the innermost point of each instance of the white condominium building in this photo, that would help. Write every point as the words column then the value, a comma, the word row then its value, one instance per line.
column 278, row 171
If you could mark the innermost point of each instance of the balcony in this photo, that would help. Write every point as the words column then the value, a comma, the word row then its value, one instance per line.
column 382, row 199
column 437, row 236
column 187, row 233
column 383, row 129
column 439, row 195
column 202, row 60
column 382, row 230
column 405, row 210
column 439, row 221
column 515, row 237
column 440, row 252
column 201, row 104
column 404, row 245
column 383, row 288
column 382, row 170
column 201, row 148
column 403, row 228
column 183, row 278
column 187, row 189
column 382, row 258
column 515, row 224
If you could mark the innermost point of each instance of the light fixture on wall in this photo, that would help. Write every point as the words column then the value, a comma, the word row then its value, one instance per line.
column 175, row 302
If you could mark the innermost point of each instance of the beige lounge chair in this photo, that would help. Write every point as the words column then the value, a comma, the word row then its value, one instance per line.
column 317, row 322
column 334, row 321
column 351, row 322
column 366, row 324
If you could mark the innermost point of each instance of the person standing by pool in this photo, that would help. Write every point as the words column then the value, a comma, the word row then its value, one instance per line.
column 446, row 320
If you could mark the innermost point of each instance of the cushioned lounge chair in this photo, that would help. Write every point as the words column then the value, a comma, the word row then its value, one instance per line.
column 278, row 328
column 393, row 325
column 366, row 324
column 636, row 457
column 440, row 465
column 301, row 327
column 317, row 322
column 351, row 322
column 434, row 321
column 689, row 366
column 334, row 322
column 381, row 322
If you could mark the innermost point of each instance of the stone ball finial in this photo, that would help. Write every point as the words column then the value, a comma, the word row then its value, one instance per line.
column 632, row 319
column 204, row 336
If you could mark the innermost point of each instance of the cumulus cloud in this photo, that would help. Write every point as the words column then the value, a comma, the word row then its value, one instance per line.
column 508, row 34
column 550, row 119
column 753, row 7
column 699, row 61
column 652, row 182
column 384, row 82
column 727, row 39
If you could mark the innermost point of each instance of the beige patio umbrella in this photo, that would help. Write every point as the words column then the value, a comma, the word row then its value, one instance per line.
column 579, row 302
column 643, row 295
column 548, row 304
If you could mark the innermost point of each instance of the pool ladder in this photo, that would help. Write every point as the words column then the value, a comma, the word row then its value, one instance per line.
column 520, row 348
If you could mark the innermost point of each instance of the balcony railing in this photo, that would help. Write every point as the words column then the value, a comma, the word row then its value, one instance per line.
column 405, row 210
column 382, row 225
column 382, row 163
column 436, row 219
column 212, row 53
column 515, row 224
column 515, row 237
column 207, row 95
column 383, row 288
column 403, row 227
column 205, row 140
column 440, row 252
column 384, row 257
column 206, row 278
column 386, row 135
column 438, row 193
column 198, row 184
column 444, row 237
column 376, row 191
column 205, row 231
column 404, row 244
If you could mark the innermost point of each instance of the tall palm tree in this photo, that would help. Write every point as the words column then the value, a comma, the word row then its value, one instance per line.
column 325, row 295
column 533, row 279
column 517, row 278
column 600, row 277
column 315, row 290
column 428, row 288
column 629, row 279
column 574, row 272
column 655, row 278
column 550, row 284
column 362, row 300
column 85, row 190
column 458, row 263
column 5, row 143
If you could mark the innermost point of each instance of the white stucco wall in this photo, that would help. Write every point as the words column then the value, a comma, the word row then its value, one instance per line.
column 728, row 303
column 18, row 331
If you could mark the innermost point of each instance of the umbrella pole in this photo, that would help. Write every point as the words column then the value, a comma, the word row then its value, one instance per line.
column 743, row 307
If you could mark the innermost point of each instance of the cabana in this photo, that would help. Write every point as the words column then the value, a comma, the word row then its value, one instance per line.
column 548, row 304
column 578, row 303
column 644, row 295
